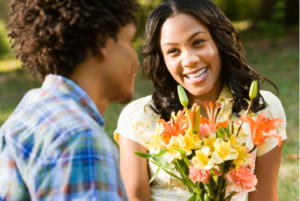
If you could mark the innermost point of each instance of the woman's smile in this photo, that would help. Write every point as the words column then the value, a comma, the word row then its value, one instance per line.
column 197, row 76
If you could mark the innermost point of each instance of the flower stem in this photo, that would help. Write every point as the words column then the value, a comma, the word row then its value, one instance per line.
column 188, row 117
column 220, row 187
column 249, row 107
column 199, row 195
column 252, row 149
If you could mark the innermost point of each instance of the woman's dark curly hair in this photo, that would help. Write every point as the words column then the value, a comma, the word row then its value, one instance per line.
column 52, row 36
column 235, row 71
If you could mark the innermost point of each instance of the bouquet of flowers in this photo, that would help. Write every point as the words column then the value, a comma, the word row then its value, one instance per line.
column 211, row 158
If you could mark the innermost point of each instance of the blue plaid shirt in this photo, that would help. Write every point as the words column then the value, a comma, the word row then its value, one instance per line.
column 54, row 147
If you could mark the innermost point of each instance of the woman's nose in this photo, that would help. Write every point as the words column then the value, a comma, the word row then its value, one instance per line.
column 190, row 61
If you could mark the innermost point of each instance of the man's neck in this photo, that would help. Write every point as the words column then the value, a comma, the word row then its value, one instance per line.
column 87, row 76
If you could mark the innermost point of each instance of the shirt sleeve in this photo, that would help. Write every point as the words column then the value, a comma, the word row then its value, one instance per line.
column 12, row 186
column 82, row 165
column 137, row 121
column 274, row 110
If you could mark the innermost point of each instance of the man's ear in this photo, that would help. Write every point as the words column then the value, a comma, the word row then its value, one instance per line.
column 103, row 51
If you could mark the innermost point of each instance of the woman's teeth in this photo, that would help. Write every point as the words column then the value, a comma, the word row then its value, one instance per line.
column 198, row 75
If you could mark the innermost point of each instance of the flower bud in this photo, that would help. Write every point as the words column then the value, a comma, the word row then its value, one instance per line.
column 253, row 90
column 182, row 96
column 197, row 120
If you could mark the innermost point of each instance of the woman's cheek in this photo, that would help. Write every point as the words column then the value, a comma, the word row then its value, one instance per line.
column 209, row 55
column 174, row 67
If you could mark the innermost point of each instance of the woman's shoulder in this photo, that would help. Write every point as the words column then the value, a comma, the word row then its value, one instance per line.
column 139, row 107
column 137, row 121
column 274, row 107
column 139, row 103
column 138, row 112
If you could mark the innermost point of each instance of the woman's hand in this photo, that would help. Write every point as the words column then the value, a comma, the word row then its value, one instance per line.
column 134, row 170
column 266, row 171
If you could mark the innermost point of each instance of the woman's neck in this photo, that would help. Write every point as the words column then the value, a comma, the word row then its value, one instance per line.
column 212, row 95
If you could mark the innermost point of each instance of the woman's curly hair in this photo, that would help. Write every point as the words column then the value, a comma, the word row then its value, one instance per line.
column 52, row 36
column 236, row 73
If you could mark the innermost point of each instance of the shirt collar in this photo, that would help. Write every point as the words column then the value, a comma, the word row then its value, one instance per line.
column 225, row 93
column 71, row 89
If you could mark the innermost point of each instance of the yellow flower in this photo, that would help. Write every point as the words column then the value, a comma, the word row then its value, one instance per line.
column 179, row 142
column 155, row 142
column 202, row 160
column 223, row 151
column 195, row 139
column 243, row 157
column 209, row 142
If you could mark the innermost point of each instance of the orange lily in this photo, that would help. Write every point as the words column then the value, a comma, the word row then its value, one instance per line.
column 212, row 114
column 214, row 126
column 173, row 128
column 263, row 128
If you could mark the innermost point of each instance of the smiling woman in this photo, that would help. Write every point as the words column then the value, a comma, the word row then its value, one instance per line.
column 192, row 57
column 192, row 43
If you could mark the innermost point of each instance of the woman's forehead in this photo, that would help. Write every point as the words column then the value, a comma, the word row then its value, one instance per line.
column 181, row 26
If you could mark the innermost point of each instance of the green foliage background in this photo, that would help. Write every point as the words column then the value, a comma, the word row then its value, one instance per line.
column 272, row 48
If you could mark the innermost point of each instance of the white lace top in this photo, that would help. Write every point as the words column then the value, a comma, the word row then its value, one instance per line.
column 138, row 123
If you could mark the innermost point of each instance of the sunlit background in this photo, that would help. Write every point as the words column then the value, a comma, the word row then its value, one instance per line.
column 270, row 30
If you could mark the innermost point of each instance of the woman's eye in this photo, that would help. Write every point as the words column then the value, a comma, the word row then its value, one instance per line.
column 172, row 51
column 198, row 42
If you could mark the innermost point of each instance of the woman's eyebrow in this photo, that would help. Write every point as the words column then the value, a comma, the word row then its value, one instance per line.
column 190, row 38
column 195, row 34
column 170, row 44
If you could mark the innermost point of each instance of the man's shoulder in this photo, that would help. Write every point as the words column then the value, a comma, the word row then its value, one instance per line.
column 47, row 123
column 47, row 111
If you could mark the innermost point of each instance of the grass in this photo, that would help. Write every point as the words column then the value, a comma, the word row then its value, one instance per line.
column 278, row 61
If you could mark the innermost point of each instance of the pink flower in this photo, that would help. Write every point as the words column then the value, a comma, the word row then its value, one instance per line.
column 242, row 180
column 218, row 172
column 199, row 175
column 204, row 130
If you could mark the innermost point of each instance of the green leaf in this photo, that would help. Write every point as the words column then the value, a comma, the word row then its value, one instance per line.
column 215, row 177
column 193, row 198
column 163, row 162
column 144, row 155
column 173, row 175
column 228, row 126
column 206, row 198
column 247, row 100
column 183, row 167
column 223, row 130
column 154, row 176
column 162, row 152
column 213, row 183
column 219, row 134
column 181, row 151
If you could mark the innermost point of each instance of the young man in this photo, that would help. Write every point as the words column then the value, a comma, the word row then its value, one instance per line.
column 54, row 147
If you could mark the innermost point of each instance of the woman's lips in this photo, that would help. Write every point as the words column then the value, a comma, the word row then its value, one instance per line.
column 197, row 80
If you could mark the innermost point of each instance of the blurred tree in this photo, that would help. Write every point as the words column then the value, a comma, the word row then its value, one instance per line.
column 238, row 10
column 291, row 10
column 4, row 45
column 273, row 26
column 146, row 7
column 4, row 10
